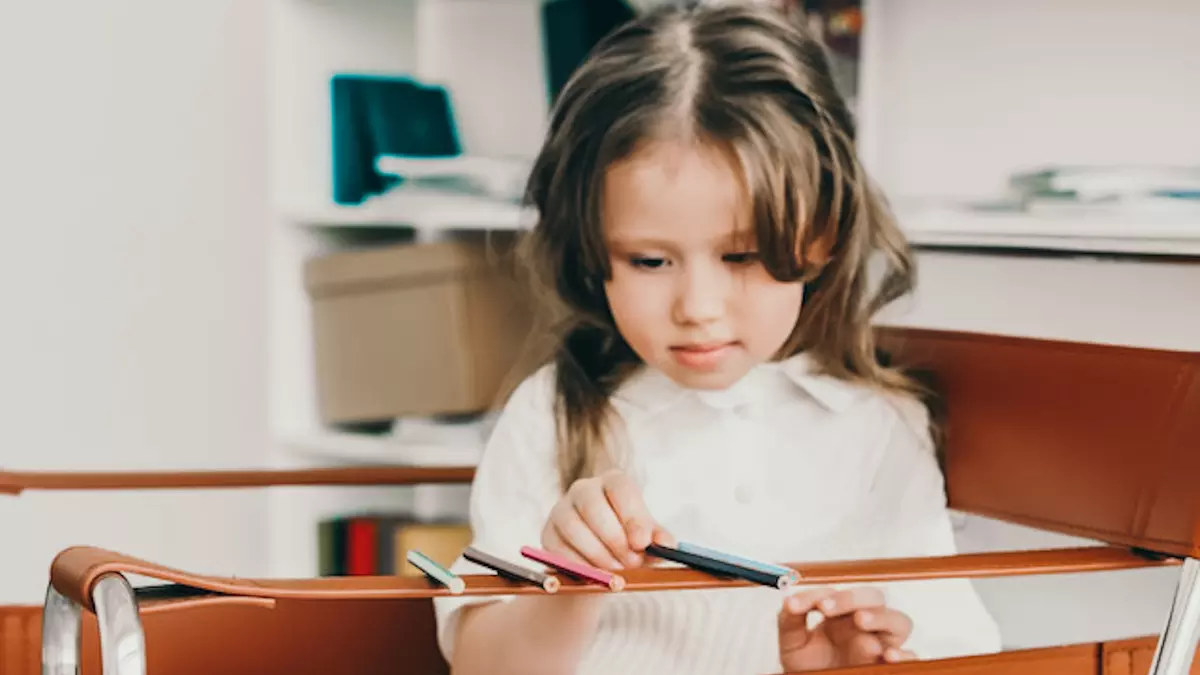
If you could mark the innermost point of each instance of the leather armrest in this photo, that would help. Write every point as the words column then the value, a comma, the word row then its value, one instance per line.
column 75, row 572
column 15, row 482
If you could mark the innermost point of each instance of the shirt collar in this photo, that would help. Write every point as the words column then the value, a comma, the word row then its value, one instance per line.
column 652, row 391
column 832, row 392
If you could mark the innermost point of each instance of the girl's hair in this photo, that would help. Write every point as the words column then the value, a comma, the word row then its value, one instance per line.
column 747, row 81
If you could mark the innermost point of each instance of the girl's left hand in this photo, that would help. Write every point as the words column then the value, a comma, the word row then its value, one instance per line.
column 856, row 629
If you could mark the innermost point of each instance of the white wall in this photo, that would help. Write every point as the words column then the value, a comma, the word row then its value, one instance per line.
column 490, row 57
column 132, row 275
column 960, row 94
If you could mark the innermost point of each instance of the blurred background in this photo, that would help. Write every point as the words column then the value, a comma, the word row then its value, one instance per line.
column 247, row 233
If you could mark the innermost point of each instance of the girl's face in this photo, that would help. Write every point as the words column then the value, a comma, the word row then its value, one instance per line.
column 687, row 290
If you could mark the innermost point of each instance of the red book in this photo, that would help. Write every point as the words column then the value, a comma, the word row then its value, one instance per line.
column 362, row 546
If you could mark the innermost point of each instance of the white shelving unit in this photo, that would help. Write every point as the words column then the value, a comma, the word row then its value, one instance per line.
column 427, row 211
column 954, row 97
column 436, row 41
column 1095, row 233
column 356, row 448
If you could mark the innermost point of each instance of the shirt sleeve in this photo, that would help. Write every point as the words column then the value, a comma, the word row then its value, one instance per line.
column 908, row 507
column 514, row 489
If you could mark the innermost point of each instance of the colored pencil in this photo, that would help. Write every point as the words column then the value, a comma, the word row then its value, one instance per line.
column 738, row 560
column 718, row 567
column 436, row 572
column 587, row 572
column 549, row 583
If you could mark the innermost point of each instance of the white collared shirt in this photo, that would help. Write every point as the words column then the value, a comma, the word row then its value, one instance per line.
column 785, row 466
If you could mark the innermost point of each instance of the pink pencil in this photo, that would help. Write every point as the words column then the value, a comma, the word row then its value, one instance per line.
column 613, row 581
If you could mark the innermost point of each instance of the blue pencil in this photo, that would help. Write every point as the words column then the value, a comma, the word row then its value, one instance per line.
column 743, row 562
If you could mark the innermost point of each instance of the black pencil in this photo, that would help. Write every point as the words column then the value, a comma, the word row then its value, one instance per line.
column 549, row 583
column 718, row 567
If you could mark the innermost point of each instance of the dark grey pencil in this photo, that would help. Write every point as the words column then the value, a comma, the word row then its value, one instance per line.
column 549, row 583
column 719, row 567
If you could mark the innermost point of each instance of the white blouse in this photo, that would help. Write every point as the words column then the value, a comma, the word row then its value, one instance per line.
column 785, row 466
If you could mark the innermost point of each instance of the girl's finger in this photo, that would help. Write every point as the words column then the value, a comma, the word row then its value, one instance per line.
column 897, row 655
column 625, row 498
column 797, row 606
column 863, row 649
column 577, row 537
column 552, row 542
column 593, row 508
column 852, row 600
column 793, row 618
column 841, row 630
column 894, row 627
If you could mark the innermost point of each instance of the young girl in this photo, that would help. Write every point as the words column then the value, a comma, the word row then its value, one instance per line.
column 706, row 229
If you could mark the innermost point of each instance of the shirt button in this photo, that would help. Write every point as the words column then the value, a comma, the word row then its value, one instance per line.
column 743, row 494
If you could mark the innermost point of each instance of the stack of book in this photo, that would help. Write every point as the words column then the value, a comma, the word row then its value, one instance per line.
column 376, row 544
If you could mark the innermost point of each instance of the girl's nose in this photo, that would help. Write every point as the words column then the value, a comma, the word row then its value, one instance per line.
column 701, row 295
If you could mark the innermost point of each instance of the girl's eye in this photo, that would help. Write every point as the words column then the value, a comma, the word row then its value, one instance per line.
column 740, row 258
column 647, row 262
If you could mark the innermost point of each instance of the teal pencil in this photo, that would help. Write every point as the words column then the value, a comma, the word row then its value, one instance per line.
column 742, row 562
column 436, row 572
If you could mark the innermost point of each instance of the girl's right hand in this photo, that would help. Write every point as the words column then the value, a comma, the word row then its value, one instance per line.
column 603, row 521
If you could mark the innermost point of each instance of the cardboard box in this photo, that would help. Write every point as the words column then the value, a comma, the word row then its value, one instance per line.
column 442, row 543
column 414, row 329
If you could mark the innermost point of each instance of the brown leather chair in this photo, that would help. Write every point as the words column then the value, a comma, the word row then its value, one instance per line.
column 1092, row 440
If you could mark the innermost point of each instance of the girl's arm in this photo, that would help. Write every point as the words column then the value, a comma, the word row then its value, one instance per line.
column 909, row 514
column 514, row 492
column 525, row 636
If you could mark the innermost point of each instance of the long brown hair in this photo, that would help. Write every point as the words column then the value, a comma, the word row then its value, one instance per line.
column 751, row 82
